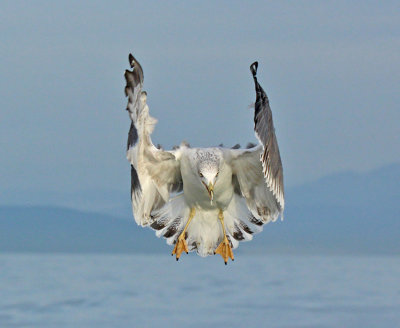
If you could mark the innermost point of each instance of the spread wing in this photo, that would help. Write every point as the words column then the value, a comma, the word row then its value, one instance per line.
column 155, row 173
column 258, row 173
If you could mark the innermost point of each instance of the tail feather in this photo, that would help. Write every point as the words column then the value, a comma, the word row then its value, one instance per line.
column 169, row 220
column 240, row 223
column 204, row 232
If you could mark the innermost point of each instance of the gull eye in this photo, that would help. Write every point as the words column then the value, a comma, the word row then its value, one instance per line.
column 201, row 174
column 217, row 174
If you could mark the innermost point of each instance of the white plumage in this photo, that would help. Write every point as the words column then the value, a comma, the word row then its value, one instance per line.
column 200, row 197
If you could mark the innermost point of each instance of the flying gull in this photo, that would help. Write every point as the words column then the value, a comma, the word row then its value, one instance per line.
column 203, row 199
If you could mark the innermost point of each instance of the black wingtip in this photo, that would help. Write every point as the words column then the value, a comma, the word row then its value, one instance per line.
column 131, row 60
column 253, row 68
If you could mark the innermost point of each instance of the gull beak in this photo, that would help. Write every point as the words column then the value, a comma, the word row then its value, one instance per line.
column 210, row 189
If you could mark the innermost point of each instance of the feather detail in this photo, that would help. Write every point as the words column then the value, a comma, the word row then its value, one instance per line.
column 265, row 132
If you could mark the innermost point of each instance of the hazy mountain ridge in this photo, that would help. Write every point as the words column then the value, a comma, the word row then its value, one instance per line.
column 342, row 213
column 54, row 229
column 379, row 186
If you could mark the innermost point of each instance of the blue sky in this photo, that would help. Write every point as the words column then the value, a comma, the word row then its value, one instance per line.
column 331, row 70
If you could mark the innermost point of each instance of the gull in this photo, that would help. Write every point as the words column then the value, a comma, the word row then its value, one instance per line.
column 203, row 199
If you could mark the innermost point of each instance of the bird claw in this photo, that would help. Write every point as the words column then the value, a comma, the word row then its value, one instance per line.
column 180, row 246
column 225, row 250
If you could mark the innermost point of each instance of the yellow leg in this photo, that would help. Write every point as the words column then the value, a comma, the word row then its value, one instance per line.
column 181, row 244
column 224, row 248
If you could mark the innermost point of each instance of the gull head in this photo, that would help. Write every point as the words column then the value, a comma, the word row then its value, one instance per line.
column 208, row 169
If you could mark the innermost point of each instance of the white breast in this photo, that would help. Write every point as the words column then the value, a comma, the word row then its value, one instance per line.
column 196, row 194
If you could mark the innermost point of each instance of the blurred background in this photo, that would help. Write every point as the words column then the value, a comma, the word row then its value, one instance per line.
column 69, row 247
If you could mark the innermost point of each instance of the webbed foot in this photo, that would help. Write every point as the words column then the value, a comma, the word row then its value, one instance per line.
column 180, row 246
column 225, row 250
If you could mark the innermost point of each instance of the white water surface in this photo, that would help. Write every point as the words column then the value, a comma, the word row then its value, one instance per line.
column 155, row 290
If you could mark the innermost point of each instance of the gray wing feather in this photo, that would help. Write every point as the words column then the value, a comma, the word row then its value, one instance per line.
column 257, row 171
column 265, row 132
column 155, row 173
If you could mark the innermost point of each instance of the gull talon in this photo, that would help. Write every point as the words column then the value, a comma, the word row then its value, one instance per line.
column 181, row 245
column 224, row 248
